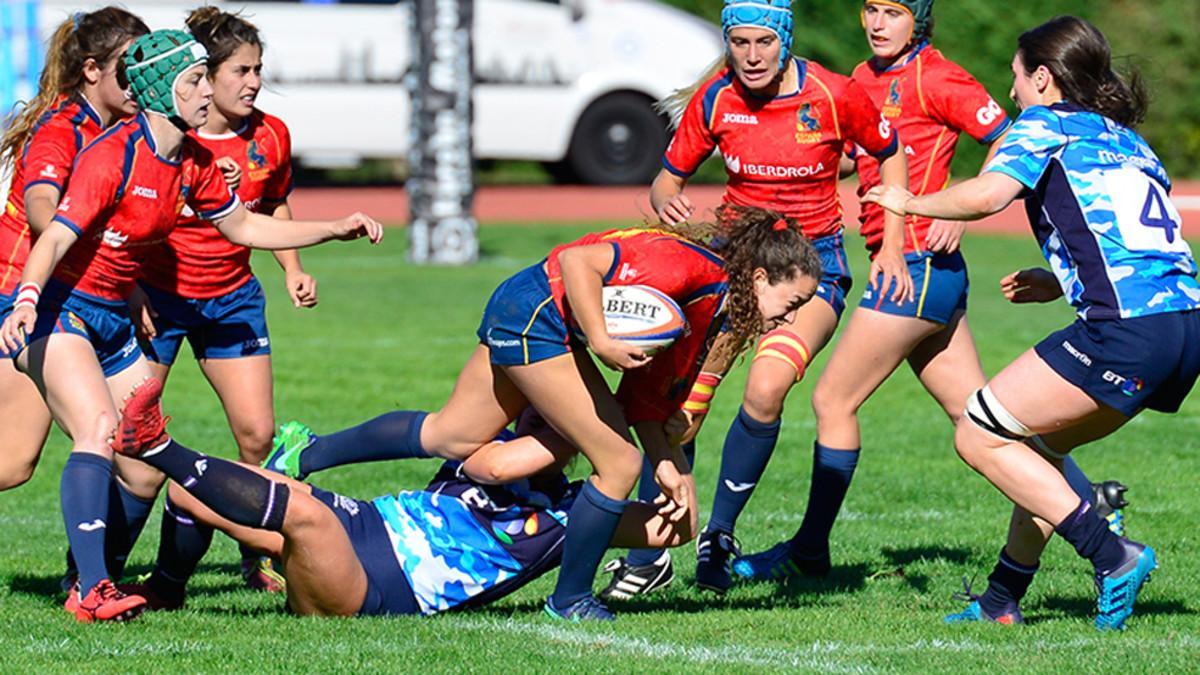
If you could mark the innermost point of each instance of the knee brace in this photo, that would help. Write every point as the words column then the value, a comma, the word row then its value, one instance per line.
column 986, row 411
column 786, row 346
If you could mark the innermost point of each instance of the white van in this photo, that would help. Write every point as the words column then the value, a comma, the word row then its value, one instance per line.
column 565, row 82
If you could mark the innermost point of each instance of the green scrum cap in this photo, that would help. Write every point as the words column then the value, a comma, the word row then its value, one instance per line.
column 921, row 11
column 154, row 63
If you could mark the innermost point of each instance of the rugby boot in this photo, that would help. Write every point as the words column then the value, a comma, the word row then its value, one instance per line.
column 104, row 603
column 284, row 458
column 261, row 574
column 1109, row 500
column 143, row 426
column 630, row 580
column 1117, row 591
column 586, row 609
column 713, row 551
column 779, row 563
column 973, row 612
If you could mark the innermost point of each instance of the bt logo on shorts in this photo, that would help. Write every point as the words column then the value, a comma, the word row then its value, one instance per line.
column 1129, row 385
column 989, row 113
column 739, row 118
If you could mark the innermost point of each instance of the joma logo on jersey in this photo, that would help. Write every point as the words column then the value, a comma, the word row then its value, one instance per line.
column 739, row 118
column 808, row 124
column 142, row 191
column 735, row 165
column 891, row 107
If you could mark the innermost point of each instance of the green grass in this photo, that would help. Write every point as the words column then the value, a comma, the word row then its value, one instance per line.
column 915, row 522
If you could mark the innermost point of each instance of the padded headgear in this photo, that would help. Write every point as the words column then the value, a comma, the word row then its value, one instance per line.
column 921, row 11
column 774, row 15
column 154, row 63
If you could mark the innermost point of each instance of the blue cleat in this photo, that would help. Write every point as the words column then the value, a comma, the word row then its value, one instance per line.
column 779, row 563
column 585, row 609
column 974, row 613
column 292, row 439
column 1118, row 589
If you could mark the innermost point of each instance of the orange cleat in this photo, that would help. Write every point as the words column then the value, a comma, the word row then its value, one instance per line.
column 104, row 603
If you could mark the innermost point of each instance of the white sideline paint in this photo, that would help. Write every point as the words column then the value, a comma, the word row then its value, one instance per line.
column 827, row 656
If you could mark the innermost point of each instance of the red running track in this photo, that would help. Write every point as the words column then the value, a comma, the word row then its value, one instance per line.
column 617, row 206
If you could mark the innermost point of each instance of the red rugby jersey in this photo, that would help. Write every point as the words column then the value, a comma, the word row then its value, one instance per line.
column 60, row 133
column 930, row 100
column 196, row 261
column 781, row 153
column 693, row 277
column 124, row 198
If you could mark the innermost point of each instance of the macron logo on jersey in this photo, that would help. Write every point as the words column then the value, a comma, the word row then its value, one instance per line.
column 739, row 118
column 141, row 191
column 735, row 165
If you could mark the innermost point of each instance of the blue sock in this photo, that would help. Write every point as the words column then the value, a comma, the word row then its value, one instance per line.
column 182, row 544
column 1079, row 482
column 127, row 514
column 1007, row 585
column 590, row 526
column 832, row 472
column 231, row 490
column 648, row 491
column 84, row 494
column 748, row 447
column 1092, row 539
column 394, row 435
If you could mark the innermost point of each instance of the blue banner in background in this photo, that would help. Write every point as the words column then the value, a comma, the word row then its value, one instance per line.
column 20, row 53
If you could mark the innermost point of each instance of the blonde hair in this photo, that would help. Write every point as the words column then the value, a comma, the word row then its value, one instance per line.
column 95, row 36
column 672, row 105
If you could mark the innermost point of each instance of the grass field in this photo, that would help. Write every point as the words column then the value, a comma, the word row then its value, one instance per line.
column 916, row 521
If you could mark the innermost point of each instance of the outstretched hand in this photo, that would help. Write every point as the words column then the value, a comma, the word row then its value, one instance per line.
column 358, row 225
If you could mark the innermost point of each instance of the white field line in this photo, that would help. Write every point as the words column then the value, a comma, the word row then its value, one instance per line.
column 828, row 656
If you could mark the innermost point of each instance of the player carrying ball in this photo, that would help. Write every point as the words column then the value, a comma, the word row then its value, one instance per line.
column 931, row 101
column 68, row 328
column 780, row 122
column 1096, row 195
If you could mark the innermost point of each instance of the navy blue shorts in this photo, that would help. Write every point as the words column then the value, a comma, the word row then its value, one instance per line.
column 941, row 286
column 104, row 323
column 231, row 326
column 388, row 588
column 835, row 278
column 1129, row 364
column 521, row 324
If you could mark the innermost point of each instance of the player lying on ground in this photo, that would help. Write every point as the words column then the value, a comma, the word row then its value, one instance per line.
column 457, row 543
column 1096, row 195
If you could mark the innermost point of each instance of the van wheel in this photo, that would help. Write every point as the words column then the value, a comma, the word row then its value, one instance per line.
column 619, row 140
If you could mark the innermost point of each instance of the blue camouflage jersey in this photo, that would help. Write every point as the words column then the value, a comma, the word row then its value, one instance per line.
column 462, row 544
column 1099, row 206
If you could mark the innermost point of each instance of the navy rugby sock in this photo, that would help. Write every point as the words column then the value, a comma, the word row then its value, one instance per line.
column 748, row 447
column 233, row 491
column 394, row 435
column 83, row 494
column 127, row 514
column 590, row 526
column 1092, row 539
column 648, row 491
column 832, row 472
column 1078, row 481
column 183, row 542
column 1007, row 584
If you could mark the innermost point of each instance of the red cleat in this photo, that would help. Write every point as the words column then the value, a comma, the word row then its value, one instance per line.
column 104, row 603
column 142, row 426
column 261, row 574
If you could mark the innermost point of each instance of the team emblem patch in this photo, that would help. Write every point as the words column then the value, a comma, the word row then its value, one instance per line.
column 891, row 107
column 808, row 124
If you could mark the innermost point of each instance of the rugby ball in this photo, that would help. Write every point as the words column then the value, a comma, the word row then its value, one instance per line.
column 640, row 315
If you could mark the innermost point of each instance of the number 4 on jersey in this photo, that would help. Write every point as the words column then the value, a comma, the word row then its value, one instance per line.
column 1155, row 214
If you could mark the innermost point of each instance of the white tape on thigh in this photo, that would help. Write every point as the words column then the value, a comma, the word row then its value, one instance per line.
column 986, row 411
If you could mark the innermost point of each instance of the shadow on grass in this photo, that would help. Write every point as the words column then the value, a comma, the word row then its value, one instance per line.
column 1075, row 606
column 901, row 560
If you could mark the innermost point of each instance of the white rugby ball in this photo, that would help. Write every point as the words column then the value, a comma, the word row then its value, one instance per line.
column 640, row 315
